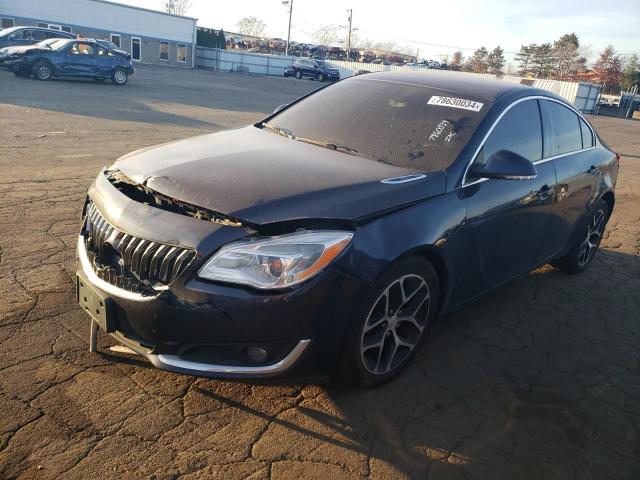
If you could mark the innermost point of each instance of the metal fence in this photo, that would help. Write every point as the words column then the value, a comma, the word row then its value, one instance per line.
column 580, row 94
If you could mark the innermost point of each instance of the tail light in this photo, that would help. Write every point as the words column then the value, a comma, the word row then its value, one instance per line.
column 617, row 157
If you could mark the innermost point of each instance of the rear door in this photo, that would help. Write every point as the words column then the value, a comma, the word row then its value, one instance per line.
column 506, row 219
column 572, row 148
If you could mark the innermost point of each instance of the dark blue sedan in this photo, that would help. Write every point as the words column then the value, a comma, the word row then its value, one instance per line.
column 328, row 238
column 69, row 58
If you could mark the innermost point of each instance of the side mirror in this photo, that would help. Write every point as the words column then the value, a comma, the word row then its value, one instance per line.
column 280, row 107
column 505, row 165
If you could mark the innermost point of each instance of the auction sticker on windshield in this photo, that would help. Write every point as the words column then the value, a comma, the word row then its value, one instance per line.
column 455, row 103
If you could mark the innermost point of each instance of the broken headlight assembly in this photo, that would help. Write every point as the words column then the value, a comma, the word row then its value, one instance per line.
column 276, row 262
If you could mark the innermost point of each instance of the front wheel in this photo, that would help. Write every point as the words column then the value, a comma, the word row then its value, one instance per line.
column 43, row 70
column 298, row 74
column 587, row 243
column 391, row 323
column 119, row 76
column 319, row 77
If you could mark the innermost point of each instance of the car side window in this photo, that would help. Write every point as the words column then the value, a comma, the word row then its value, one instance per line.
column 101, row 52
column 519, row 131
column 587, row 135
column 81, row 49
column 566, row 128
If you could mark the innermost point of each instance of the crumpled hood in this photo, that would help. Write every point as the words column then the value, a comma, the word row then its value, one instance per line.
column 261, row 177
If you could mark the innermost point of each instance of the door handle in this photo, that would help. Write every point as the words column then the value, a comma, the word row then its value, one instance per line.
column 592, row 170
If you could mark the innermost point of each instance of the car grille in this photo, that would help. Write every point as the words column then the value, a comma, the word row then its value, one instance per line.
column 130, row 262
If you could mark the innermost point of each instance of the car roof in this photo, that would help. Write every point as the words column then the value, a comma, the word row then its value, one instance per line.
column 481, row 87
column 27, row 27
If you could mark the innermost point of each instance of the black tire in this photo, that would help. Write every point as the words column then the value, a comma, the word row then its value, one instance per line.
column 319, row 77
column 371, row 353
column 298, row 74
column 119, row 77
column 42, row 70
column 587, row 242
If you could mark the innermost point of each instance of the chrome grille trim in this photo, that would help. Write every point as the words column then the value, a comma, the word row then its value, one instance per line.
column 132, row 263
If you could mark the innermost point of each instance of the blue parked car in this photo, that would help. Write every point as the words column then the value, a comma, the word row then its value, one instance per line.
column 69, row 58
column 29, row 35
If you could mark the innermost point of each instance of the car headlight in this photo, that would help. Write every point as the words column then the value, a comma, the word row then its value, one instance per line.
column 276, row 262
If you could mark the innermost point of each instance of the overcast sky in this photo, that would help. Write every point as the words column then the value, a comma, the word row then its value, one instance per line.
column 439, row 27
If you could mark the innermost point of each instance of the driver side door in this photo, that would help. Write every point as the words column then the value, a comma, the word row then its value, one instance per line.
column 506, row 219
column 79, row 60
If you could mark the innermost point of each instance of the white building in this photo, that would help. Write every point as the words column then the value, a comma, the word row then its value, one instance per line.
column 150, row 36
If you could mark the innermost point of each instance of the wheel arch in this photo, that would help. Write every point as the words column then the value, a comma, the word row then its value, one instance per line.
column 609, row 197
column 436, row 259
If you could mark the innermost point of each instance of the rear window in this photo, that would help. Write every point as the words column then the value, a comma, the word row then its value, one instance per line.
column 566, row 128
column 406, row 125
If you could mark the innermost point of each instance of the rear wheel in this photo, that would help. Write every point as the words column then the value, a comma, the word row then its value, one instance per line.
column 43, row 70
column 391, row 323
column 587, row 243
column 119, row 76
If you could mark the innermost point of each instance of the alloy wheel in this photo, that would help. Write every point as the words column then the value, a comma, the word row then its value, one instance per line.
column 44, row 72
column 395, row 324
column 594, row 235
column 120, row 76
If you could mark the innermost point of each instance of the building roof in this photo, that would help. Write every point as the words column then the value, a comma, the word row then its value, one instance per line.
column 143, row 9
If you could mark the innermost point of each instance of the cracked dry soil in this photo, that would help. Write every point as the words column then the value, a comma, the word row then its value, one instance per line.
column 539, row 379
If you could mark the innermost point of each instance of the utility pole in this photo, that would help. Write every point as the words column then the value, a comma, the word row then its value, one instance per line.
column 349, row 39
column 290, row 3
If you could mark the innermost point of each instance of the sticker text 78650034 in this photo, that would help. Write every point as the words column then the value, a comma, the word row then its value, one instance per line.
column 455, row 103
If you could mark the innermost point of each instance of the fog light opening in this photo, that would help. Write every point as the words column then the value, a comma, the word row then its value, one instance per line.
column 256, row 354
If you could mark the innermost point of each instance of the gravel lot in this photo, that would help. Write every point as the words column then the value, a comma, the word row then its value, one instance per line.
column 540, row 379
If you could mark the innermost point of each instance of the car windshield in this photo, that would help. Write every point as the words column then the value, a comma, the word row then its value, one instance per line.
column 60, row 44
column 107, row 44
column 322, row 64
column 48, row 42
column 412, row 126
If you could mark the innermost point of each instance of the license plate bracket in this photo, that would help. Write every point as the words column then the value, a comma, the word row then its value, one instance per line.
column 98, row 306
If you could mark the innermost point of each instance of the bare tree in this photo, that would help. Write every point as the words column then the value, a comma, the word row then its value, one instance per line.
column 327, row 35
column 177, row 7
column 251, row 26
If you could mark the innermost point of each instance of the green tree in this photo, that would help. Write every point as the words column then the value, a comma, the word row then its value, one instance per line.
column 477, row 63
column 565, row 54
column 458, row 61
column 631, row 73
column 608, row 70
column 543, row 62
column 222, row 40
column 495, row 61
column 524, row 59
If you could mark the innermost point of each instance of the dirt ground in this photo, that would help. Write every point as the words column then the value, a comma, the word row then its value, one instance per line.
column 540, row 379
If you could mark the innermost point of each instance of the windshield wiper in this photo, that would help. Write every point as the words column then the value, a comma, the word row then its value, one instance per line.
column 280, row 131
column 332, row 146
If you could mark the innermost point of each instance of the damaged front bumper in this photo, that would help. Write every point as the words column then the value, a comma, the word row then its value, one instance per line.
column 203, row 328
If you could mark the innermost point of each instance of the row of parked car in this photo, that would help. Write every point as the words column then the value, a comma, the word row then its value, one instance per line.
column 44, row 53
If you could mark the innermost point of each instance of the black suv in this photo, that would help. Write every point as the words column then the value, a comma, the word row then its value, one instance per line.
column 316, row 69
column 29, row 35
